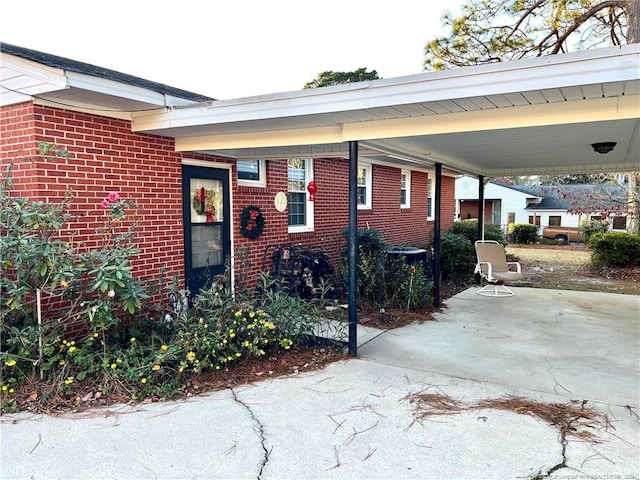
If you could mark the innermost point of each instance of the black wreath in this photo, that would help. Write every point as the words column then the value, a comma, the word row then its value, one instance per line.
column 251, row 222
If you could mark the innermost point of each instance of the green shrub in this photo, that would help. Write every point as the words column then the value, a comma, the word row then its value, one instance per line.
column 387, row 280
column 523, row 233
column 370, row 264
column 589, row 227
column 614, row 249
column 469, row 229
column 457, row 257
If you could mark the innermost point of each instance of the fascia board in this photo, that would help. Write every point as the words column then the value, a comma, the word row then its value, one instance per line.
column 117, row 89
column 482, row 120
column 582, row 68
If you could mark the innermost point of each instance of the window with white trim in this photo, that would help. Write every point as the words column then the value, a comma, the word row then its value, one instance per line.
column 405, row 189
column 299, row 174
column 252, row 173
column 364, row 186
column 430, row 208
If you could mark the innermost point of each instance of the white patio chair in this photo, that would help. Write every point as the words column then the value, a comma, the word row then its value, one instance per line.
column 495, row 270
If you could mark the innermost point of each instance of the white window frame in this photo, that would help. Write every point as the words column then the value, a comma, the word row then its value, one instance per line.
column 262, row 174
column 309, row 211
column 368, row 183
column 407, row 188
column 430, row 196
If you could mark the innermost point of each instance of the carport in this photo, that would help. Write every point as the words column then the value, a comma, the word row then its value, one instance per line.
column 527, row 117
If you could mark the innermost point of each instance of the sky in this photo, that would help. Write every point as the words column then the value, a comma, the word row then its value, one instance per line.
column 235, row 48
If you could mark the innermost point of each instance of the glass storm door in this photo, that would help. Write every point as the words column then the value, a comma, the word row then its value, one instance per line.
column 205, row 194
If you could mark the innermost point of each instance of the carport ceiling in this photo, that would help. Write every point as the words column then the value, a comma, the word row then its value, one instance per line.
column 527, row 117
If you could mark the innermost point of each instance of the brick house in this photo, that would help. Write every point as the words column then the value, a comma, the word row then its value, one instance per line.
column 89, row 110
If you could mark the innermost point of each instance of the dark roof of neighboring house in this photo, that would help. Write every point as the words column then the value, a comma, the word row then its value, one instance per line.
column 564, row 197
column 95, row 71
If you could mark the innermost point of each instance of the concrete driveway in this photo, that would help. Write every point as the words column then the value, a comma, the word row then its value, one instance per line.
column 358, row 419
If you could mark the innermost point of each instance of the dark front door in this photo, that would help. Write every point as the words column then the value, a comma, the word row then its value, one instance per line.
column 206, row 213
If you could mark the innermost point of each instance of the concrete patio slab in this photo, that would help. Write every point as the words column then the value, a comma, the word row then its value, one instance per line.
column 354, row 419
column 581, row 345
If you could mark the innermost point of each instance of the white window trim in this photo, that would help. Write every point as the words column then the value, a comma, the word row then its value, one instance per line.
column 262, row 171
column 309, row 227
column 407, row 187
column 368, row 185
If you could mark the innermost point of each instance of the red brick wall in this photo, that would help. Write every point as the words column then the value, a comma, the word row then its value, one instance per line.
column 106, row 156
column 398, row 226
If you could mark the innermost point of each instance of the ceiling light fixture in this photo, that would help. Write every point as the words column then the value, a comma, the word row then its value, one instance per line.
column 603, row 147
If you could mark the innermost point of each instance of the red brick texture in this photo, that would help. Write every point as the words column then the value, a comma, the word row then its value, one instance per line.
column 106, row 156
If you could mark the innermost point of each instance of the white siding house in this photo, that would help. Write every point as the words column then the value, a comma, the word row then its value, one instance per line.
column 502, row 205
column 536, row 204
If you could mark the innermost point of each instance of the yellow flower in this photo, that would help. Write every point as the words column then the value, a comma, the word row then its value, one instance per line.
column 11, row 390
column 132, row 339
column 62, row 362
column 252, row 314
column 238, row 313
column 144, row 380
column 155, row 367
column 191, row 356
column 69, row 381
column 64, row 283
column 224, row 341
column 164, row 348
column 72, row 349
column 4, row 388
column 10, row 363
column 238, row 354
column 181, row 369
column 119, row 360
column 232, row 335
column 201, row 320
column 95, row 335
column 113, row 366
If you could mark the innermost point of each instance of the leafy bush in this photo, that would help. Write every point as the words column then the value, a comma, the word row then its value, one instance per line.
column 523, row 233
column 370, row 264
column 90, row 346
column 614, row 249
column 469, row 229
column 589, row 227
column 387, row 280
column 457, row 257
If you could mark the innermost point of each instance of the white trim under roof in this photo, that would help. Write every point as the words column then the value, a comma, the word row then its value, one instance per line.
column 522, row 117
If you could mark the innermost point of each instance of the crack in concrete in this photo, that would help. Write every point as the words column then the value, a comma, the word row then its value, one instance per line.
column 259, row 429
column 558, row 466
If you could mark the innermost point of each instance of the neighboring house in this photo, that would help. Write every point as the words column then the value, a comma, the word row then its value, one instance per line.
column 88, row 110
column 541, row 205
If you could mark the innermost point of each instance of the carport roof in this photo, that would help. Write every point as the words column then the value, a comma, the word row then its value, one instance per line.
column 533, row 116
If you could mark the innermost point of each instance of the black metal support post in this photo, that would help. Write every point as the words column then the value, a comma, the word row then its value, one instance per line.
column 480, row 233
column 352, row 249
column 436, row 236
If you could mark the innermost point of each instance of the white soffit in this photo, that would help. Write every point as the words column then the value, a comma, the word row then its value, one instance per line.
column 22, row 78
